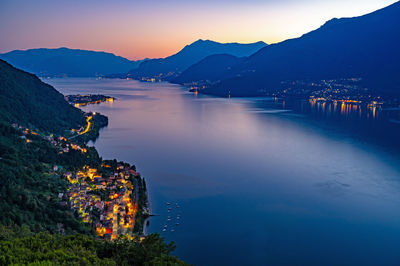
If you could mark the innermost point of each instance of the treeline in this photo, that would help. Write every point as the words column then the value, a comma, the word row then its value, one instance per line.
column 48, row 249
column 141, row 215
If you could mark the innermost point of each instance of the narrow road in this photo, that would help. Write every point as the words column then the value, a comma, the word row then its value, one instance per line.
column 88, row 125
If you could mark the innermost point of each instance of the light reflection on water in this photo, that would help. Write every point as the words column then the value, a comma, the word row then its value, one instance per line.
column 258, row 181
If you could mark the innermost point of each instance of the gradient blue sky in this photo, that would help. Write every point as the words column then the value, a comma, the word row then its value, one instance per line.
column 157, row 28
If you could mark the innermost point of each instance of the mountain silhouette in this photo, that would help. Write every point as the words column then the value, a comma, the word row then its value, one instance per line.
column 209, row 69
column 366, row 47
column 169, row 67
column 68, row 62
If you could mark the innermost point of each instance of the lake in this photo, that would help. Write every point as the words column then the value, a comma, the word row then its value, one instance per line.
column 257, row 181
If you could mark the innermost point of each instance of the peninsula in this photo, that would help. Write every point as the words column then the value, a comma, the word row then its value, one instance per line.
column 83, row 100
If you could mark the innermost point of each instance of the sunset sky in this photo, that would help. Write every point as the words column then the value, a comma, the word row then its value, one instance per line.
column 157, row 28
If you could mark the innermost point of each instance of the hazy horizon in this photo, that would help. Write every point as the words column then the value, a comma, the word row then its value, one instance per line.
column 138, row 29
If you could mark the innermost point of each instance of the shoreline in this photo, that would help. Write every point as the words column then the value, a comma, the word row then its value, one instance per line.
column 146, row 220
column 78, row 100
column 382, row 100
column 142, row 204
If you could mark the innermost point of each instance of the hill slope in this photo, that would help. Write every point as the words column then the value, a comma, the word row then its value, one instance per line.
column 68, row 62
column 29, row 199
column 209, row 69
column 27, row 101
column 37, row 225
column 170, row 67
column 365, row 46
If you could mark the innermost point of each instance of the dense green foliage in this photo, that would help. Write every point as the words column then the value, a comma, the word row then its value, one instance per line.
column 27, row 101
column 28, row 186
column 142, row 201
column 29, row 204
column 47, row 249
column 37, row 227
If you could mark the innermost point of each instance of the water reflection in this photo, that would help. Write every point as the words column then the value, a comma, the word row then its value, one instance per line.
column 367, row 122
column 258, row 179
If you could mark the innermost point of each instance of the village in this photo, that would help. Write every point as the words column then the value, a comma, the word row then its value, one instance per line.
column 105, row 196
column 108, row 200
column 345, row 91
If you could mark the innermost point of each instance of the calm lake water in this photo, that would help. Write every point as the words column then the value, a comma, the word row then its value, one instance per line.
column 255, row 181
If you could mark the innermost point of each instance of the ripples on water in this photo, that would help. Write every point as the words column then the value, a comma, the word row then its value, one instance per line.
column 258, row 181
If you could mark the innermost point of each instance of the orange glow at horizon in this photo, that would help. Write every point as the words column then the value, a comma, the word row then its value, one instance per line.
column 140, row 29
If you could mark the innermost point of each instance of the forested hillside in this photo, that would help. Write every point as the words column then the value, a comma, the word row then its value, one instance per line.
column 37, row 224
column 27, row 101
column 29, row 187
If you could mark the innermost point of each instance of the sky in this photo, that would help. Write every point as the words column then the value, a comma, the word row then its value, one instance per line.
column 138, row 29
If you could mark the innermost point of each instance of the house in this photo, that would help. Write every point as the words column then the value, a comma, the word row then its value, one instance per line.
column 99, row 205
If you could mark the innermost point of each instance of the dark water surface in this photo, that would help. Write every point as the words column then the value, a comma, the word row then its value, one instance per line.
column 254, row 181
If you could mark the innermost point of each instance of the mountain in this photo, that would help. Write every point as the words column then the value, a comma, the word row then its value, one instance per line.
column 68, row 62
column 27, row 101
column 209, row 69
column 364, row 47
column 28, row 189
column 170, row 67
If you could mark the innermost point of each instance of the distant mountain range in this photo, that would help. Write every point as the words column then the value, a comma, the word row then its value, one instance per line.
column 68, row 62
column 366, row 47
column 170, row 67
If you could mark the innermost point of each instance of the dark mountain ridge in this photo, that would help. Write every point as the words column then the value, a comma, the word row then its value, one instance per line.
column 169, row 67
column 365, row 47
column 203, row 72
column 68, row 62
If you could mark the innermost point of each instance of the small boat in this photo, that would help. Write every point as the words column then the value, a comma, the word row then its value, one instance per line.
column 168, row 203
column 164, row 230
column 177, row 224
column 169, row 220
column 169, row 209
column 172, row 230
